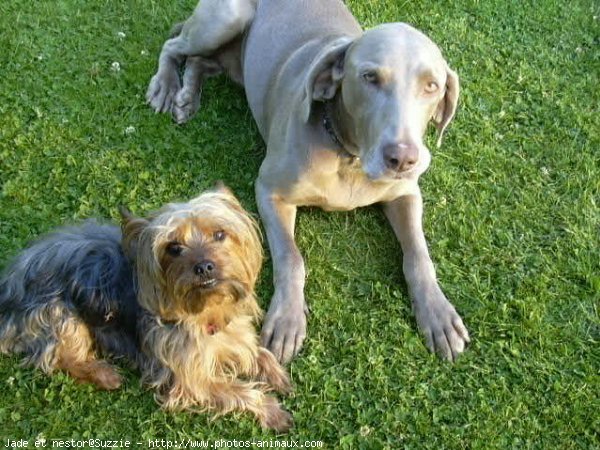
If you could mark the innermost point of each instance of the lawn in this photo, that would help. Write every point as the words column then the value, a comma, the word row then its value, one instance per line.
column 512, row 218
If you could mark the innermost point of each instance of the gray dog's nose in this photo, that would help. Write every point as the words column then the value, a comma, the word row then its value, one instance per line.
column 400, row 157
column 204, row 268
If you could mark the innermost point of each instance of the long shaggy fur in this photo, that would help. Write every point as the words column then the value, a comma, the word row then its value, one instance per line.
column 75, row 276
column 172, row 294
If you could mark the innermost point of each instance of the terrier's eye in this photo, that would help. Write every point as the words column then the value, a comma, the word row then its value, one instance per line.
column 370, row 77
column 431, row 87
column 174, row 248
column 220, row 235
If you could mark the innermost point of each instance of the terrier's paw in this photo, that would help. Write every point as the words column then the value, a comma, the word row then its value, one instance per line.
column 281, row 383
column 105, row 376
column 271, row 372
column 276, row 418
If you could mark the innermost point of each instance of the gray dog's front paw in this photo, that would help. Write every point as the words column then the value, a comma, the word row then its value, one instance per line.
column 441, row 325
column 284, row 328
column 161, row 92
column 187, row 103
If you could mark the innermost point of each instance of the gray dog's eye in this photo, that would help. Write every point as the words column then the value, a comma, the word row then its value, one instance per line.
column 370, row 77
column 431, row 87
column 220, row 235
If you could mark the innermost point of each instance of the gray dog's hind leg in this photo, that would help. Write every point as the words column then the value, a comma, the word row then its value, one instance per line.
column 197, row 69
column 165, row 84
column 213, row 24
column 187, row 100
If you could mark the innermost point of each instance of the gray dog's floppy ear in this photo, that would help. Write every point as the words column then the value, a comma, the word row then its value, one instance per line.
column 325, row 74
column 447, row 106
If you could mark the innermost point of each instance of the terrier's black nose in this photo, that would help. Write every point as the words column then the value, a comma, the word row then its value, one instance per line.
column 204, row 268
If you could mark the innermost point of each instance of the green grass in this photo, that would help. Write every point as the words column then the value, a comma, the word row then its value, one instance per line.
column 512, row 219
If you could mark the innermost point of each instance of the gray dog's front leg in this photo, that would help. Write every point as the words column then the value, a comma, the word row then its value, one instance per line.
column 284, row 328
column 437, row 319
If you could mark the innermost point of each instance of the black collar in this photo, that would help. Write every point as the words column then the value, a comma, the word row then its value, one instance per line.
column 328, row 125
column 329, row 128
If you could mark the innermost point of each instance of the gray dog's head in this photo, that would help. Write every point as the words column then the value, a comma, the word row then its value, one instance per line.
column 393, row 80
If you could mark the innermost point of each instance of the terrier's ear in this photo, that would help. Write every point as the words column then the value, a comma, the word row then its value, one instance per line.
column 131, row 227
column 222, row 188
column 125, row 213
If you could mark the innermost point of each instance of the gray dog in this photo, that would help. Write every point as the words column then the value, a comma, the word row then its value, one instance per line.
column 343, row 113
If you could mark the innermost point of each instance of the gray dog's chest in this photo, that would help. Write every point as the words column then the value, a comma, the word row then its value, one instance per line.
column 336, row 182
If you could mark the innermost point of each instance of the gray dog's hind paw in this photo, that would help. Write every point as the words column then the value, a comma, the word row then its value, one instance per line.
column 161, row 92
column 186, row 104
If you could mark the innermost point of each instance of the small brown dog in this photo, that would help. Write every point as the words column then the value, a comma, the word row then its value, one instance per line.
column 174, row 294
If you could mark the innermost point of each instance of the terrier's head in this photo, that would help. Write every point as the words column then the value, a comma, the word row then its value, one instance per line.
column 196, row 260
